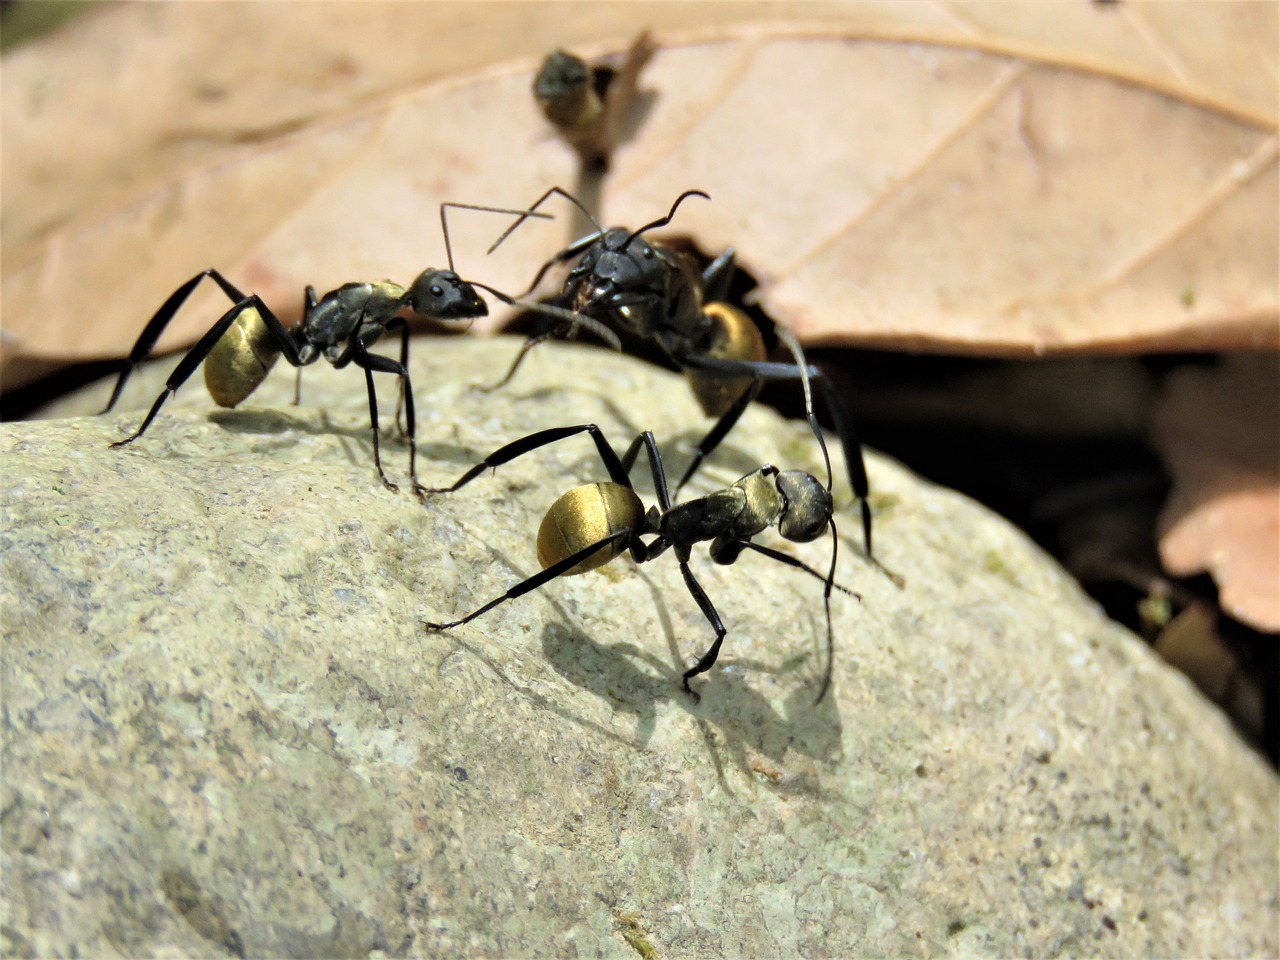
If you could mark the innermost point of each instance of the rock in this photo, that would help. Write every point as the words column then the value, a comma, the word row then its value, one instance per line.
column 228, row 733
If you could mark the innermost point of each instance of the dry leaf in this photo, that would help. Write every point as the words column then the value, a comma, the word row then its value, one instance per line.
column 990, row 177
column 1219, row 432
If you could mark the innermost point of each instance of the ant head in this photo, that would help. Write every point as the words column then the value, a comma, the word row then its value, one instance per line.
column 443, row 295
column 620, row 241
column 620, row 263
column 807, row 506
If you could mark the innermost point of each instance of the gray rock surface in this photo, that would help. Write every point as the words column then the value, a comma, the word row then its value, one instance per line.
column 227, row 732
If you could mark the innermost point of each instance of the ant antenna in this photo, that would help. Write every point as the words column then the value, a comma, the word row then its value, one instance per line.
column 788, row 340
column 826, row 602
column 574, row 320
column 670, row 213
column 530, row 213
column 444, row 221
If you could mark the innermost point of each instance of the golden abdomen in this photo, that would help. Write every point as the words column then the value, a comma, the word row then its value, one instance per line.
column 586, row 515
column 240, row 360
column 736, row 338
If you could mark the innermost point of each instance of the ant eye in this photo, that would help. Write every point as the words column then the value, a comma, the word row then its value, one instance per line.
column 437, row 291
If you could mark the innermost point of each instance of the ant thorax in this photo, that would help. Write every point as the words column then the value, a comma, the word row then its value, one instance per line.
column 762, row 504
column 739, row 511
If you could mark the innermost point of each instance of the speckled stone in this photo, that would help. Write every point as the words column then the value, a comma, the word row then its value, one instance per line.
column 226, row 731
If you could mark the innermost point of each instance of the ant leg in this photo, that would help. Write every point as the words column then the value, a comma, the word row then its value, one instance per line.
column 528, row 345
column 716, row 278
column 791, row 562
column 537, row 580
column 406, row 395
column 404, row 362
column 568, row 253
column 282, row 338
column 371, row 363
column 518, row 448
column 764, row 370
column 727, row 553
column 156, row 326
column 721, row 429
column 656, row 469
column 308, row 304
column 565, row 329
column 708, row 659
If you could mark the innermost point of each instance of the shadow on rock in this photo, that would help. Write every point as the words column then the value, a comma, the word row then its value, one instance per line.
column 747, row 721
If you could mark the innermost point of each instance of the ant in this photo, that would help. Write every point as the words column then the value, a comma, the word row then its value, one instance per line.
column 589, row 103
column 656, row 292
column 240, row 349
column 591, row 524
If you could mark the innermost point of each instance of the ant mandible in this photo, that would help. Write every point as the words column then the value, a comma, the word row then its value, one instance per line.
column 240, row 349
column 656, row 292
column 593, row 523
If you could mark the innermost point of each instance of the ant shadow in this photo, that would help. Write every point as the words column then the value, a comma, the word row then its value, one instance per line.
column 275, row 422
column 634, row 680
column 731, row 716
column 356, row 441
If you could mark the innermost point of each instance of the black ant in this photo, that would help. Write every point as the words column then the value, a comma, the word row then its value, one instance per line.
column 591, row 524
column 588, row 103
column 656, row 292
column 240, row 349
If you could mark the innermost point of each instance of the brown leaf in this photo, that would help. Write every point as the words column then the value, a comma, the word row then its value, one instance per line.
column 1000, row 178
column 1219, row 432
